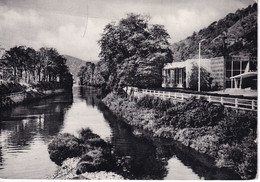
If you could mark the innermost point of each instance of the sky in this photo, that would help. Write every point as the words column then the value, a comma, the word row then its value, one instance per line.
column 73, row 27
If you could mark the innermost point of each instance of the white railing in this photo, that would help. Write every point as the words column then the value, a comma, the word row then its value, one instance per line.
column 243, row 104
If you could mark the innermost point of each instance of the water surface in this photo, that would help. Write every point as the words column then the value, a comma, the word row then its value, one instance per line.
column 26, row 130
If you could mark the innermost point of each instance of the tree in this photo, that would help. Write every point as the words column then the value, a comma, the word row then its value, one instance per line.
column 205, row 79
column 46, row 62
column 30, row 64
column 86, row 74
column 15, row 59
column 135, row 52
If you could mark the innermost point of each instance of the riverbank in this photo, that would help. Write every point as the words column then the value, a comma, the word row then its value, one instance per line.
column 84, row 157
column 68, row 171
column 226, row 136
column 13, row 94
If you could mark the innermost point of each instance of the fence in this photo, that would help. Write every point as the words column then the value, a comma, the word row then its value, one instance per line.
column 243, row 104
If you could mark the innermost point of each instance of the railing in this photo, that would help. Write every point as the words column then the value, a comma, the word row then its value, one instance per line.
column 243, row 104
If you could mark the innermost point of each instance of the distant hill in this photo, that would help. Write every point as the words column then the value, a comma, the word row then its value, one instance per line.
column 74, row 65
column 233, row 35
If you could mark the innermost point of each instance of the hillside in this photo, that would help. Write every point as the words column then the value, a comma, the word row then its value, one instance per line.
column 235, row 34
column 74, row 65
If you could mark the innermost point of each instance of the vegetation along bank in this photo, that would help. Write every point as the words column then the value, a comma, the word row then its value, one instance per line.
column 226, row 135
column 84, row 157
column 15, row 93
column 28, row 74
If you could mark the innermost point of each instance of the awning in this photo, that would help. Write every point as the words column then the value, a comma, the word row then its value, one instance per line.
column 245, row 75
column 175, row 65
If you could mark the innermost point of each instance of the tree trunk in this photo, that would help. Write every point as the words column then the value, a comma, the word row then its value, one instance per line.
column 39, row 76
column 14, row 74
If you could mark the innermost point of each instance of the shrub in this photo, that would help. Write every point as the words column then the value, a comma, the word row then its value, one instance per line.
column 195, row 113
column 240, row 156
column 64, row 146
column 154, row 102
column 165, row 132
column 237, row 125
column 86, row 134
column 8, row 88
column 93, row 161
column 92, row 139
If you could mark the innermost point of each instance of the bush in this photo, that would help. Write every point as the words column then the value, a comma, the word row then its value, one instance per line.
column 48, row 85
column 8, row 88
column 91, row 162
column 86, row 134
column 154, row 102
column 195, row 113
column 94, row 152
column 237, row 125
column 225, row 134
column 64, row 146
column 95, row 160
column 92, row 139
column 241, row 156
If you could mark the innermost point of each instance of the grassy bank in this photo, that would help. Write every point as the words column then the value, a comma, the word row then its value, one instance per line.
column 15, row 93
column 226, row 135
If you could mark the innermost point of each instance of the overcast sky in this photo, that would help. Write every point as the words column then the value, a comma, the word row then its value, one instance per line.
column 62, row 23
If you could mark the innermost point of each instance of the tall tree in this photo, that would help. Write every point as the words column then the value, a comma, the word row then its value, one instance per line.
column 15, row 59
column 135, row 52
column 46, row 62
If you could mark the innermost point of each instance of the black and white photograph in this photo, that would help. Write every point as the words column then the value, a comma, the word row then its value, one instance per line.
column 128, row 90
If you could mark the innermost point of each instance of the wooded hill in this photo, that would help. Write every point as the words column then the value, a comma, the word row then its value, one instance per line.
column 74, row 65
column 236, row 34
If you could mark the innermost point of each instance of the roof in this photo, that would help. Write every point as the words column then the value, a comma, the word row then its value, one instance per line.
column 175, row 65
column 183, row 64
column 245, row 75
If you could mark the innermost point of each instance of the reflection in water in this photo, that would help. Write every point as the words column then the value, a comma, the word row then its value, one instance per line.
column 26, row 130
column 143, row 159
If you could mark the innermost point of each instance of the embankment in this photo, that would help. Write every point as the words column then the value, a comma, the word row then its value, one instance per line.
column 13, row 94
column 225, row 135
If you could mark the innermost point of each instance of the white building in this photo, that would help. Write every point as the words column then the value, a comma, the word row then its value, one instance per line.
column 177, row 74
column 236, row 72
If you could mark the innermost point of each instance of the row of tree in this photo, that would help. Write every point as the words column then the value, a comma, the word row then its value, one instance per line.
column 133, row 52
column 24, row 64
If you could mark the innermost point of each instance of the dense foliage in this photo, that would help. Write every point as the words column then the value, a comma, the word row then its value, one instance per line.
column 86, row 73
column 224, row 134
column 7, row 88
column 154, row 102
column 133, row 52
column 24, row 64
column 95, row 154
column 64, row 146
column 205, row 79
column 234, row 34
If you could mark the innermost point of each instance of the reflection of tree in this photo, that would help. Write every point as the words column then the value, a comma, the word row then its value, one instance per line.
column 143, row 159
column 89, row 95
column 202, row 165
column 137, row 156
column 44, row 117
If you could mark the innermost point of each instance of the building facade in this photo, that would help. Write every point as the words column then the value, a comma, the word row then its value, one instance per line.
column 236, row 72
column 241, row 72
column 177, row 74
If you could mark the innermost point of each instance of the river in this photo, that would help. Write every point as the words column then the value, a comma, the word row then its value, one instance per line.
column 26, row 130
